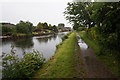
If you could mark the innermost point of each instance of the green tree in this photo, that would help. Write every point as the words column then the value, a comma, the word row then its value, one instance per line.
column 61, row 25
column 45, row 26
column 77, row 13
column 104, row 16
column 50, row 27
column 55, row 28
column 40, row 25
column 6, row 29
column 24, row 27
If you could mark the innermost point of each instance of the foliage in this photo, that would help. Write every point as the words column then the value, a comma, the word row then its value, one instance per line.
column 81, row 28
column 104, row 17
column 34, row 33
column 50, row 27
column 61, row 25
column 66, row 36
column 55, row 28
column 39, row 25
column 63, row 39
column 14, row 67
column 105, row 31
column 77, row 14
column 7, row 29
column 24, row 27
column 45, row 26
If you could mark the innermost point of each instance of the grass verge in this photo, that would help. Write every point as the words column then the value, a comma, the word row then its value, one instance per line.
column 108, row 59
column 62, row 64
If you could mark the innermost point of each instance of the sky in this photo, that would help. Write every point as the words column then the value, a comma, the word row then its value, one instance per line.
column 35, row 11
column 50, row 11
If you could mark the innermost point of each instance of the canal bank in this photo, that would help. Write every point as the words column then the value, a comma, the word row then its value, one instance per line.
column 18, row 36
column 66, row 62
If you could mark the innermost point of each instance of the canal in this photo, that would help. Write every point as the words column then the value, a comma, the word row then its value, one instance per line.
column 44, row 44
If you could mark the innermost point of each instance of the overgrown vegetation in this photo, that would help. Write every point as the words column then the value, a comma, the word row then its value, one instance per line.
column 15, row 67
column 63, row 39
column 66, row 36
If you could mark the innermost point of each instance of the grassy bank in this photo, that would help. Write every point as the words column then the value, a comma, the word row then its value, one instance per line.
column 62, row 64
column 108, row 59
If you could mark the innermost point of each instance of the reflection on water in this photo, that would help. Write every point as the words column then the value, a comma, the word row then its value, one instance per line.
column 81, row 43
column 24, row 42
column 44, row 44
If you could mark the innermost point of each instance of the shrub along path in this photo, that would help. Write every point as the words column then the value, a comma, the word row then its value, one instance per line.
column 94, row 67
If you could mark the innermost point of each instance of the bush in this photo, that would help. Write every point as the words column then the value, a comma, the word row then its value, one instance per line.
column 57, row 46
column 81, row 28
column 111, row 41
column 6, row 29
column 66, row 36
column 93, row 32
column 14, row 67
column 63, row 38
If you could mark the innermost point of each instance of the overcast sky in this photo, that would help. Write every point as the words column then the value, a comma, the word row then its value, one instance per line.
column 50, row 11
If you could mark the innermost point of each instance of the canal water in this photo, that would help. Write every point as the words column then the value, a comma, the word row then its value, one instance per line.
column 44, row 44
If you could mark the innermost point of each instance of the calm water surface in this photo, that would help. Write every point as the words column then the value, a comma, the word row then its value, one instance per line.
column 44, row 44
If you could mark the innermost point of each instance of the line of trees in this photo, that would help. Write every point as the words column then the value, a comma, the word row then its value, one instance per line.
column 44, row 26
column 20, row 28
column 102, row 21
column 26, row 28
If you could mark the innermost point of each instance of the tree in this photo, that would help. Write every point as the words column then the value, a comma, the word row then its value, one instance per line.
column 50, row 27
column 55, row 28
column 24, row 27
column 30, row 26
column 45, row 26
column 40, row 25
column 104, row 16
column 6, row 29
column 77, row 13
column 61, row 25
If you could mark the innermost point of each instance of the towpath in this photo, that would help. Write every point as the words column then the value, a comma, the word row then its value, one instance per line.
column 94, row 67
